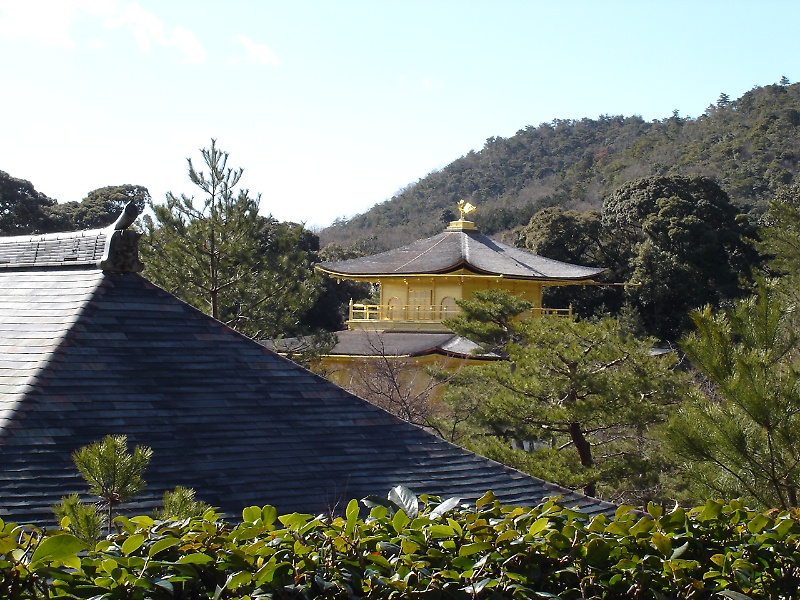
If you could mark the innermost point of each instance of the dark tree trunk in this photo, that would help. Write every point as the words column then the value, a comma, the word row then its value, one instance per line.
column 584, row 453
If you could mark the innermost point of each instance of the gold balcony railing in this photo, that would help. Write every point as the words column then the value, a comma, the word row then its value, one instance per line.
column 434, row 314
column 397, row 312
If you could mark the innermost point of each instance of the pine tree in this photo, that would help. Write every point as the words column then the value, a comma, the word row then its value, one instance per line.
column 584, row 394
column 739, row 438
column 82, row 519
column 113, row 473
column 181, row 503
column 219, row 255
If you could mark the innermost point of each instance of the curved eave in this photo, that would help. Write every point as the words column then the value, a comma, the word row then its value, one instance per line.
column 462, row 269
column 418, row 354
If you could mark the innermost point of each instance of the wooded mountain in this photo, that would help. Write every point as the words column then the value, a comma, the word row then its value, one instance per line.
column 750, row 146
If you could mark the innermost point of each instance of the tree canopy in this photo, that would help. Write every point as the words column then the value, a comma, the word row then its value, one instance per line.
column 780, row 240
column 688, row 246
column 23, row 210
column 218, row 254
column 102, row 206
column 739, row 434
column 582, row 394
column 581, row 239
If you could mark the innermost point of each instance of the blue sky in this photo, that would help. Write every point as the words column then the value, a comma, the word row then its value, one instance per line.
column 333, row 106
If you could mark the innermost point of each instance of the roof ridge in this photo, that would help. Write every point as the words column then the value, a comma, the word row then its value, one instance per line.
column 424, row 252
column 107, row 248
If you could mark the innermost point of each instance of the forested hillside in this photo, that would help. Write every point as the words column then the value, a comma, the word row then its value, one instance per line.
column 749, row 145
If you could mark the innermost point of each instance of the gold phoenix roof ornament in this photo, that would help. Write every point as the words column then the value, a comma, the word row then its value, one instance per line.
column 465, row 208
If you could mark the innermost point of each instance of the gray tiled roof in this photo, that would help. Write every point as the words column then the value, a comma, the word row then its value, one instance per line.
column 55, row 249
column 455, row 249
column 357, row 342
column 85, row 353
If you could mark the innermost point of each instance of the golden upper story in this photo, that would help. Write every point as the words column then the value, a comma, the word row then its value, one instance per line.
column 421, row 283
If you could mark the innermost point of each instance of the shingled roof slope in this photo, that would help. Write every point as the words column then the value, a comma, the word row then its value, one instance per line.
column 85, row 353
column 455, row 249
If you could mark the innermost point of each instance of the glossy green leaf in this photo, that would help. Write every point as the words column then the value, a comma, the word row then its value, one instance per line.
column 444, row 507
column 475, row 548
column 351, row 513
column 56, row 549
column 195, row 559
column 239, row 579
column 734, row 595
column 405, row 499
column 712, row 510
column 440, row 531
column 673, row 519
column 487, row 498
column 294, row 520
column 269, row 514
column 379, row 560
column 538, row 526
column 679, row 551
column 162, row 544
column 655, row 510
column 108, row 565
column 758, row 523
column 132, row 544
column 400, row 520
column 597, row 551
column 250, row 514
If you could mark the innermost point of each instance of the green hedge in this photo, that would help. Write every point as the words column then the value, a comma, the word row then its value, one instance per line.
column 408, row 549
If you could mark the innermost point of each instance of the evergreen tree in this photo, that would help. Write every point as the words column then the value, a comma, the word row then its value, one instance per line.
column 23, row 210
column 250, row 272
column 582, row 395
column 113, row 473
column 739, row 437
column 101, row 207
column 491, row 318
column 82, row 519
column 688, row 246
column 780, row 239
column 581, row 239
column 331, row 307
column 181, row 503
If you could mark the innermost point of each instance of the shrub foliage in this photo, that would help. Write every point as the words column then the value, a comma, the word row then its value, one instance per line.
column 405, row 548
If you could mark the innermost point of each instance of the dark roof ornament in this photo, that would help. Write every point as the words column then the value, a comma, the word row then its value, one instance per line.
column 122, row 254
column 127, row 217
column 114, row 248
column 122, row 249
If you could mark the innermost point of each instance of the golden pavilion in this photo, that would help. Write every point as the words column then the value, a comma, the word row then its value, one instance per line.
column 420, row 285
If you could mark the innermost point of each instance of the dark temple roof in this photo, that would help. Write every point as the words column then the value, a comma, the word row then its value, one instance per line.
column 108, row 249
column 86, row 352
column 455, row 249
column 357, row 342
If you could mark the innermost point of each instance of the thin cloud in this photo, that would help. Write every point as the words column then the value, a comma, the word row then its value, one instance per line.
column 148, row 31
column 255, row 54
column 191, row 48
column 50, row 23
